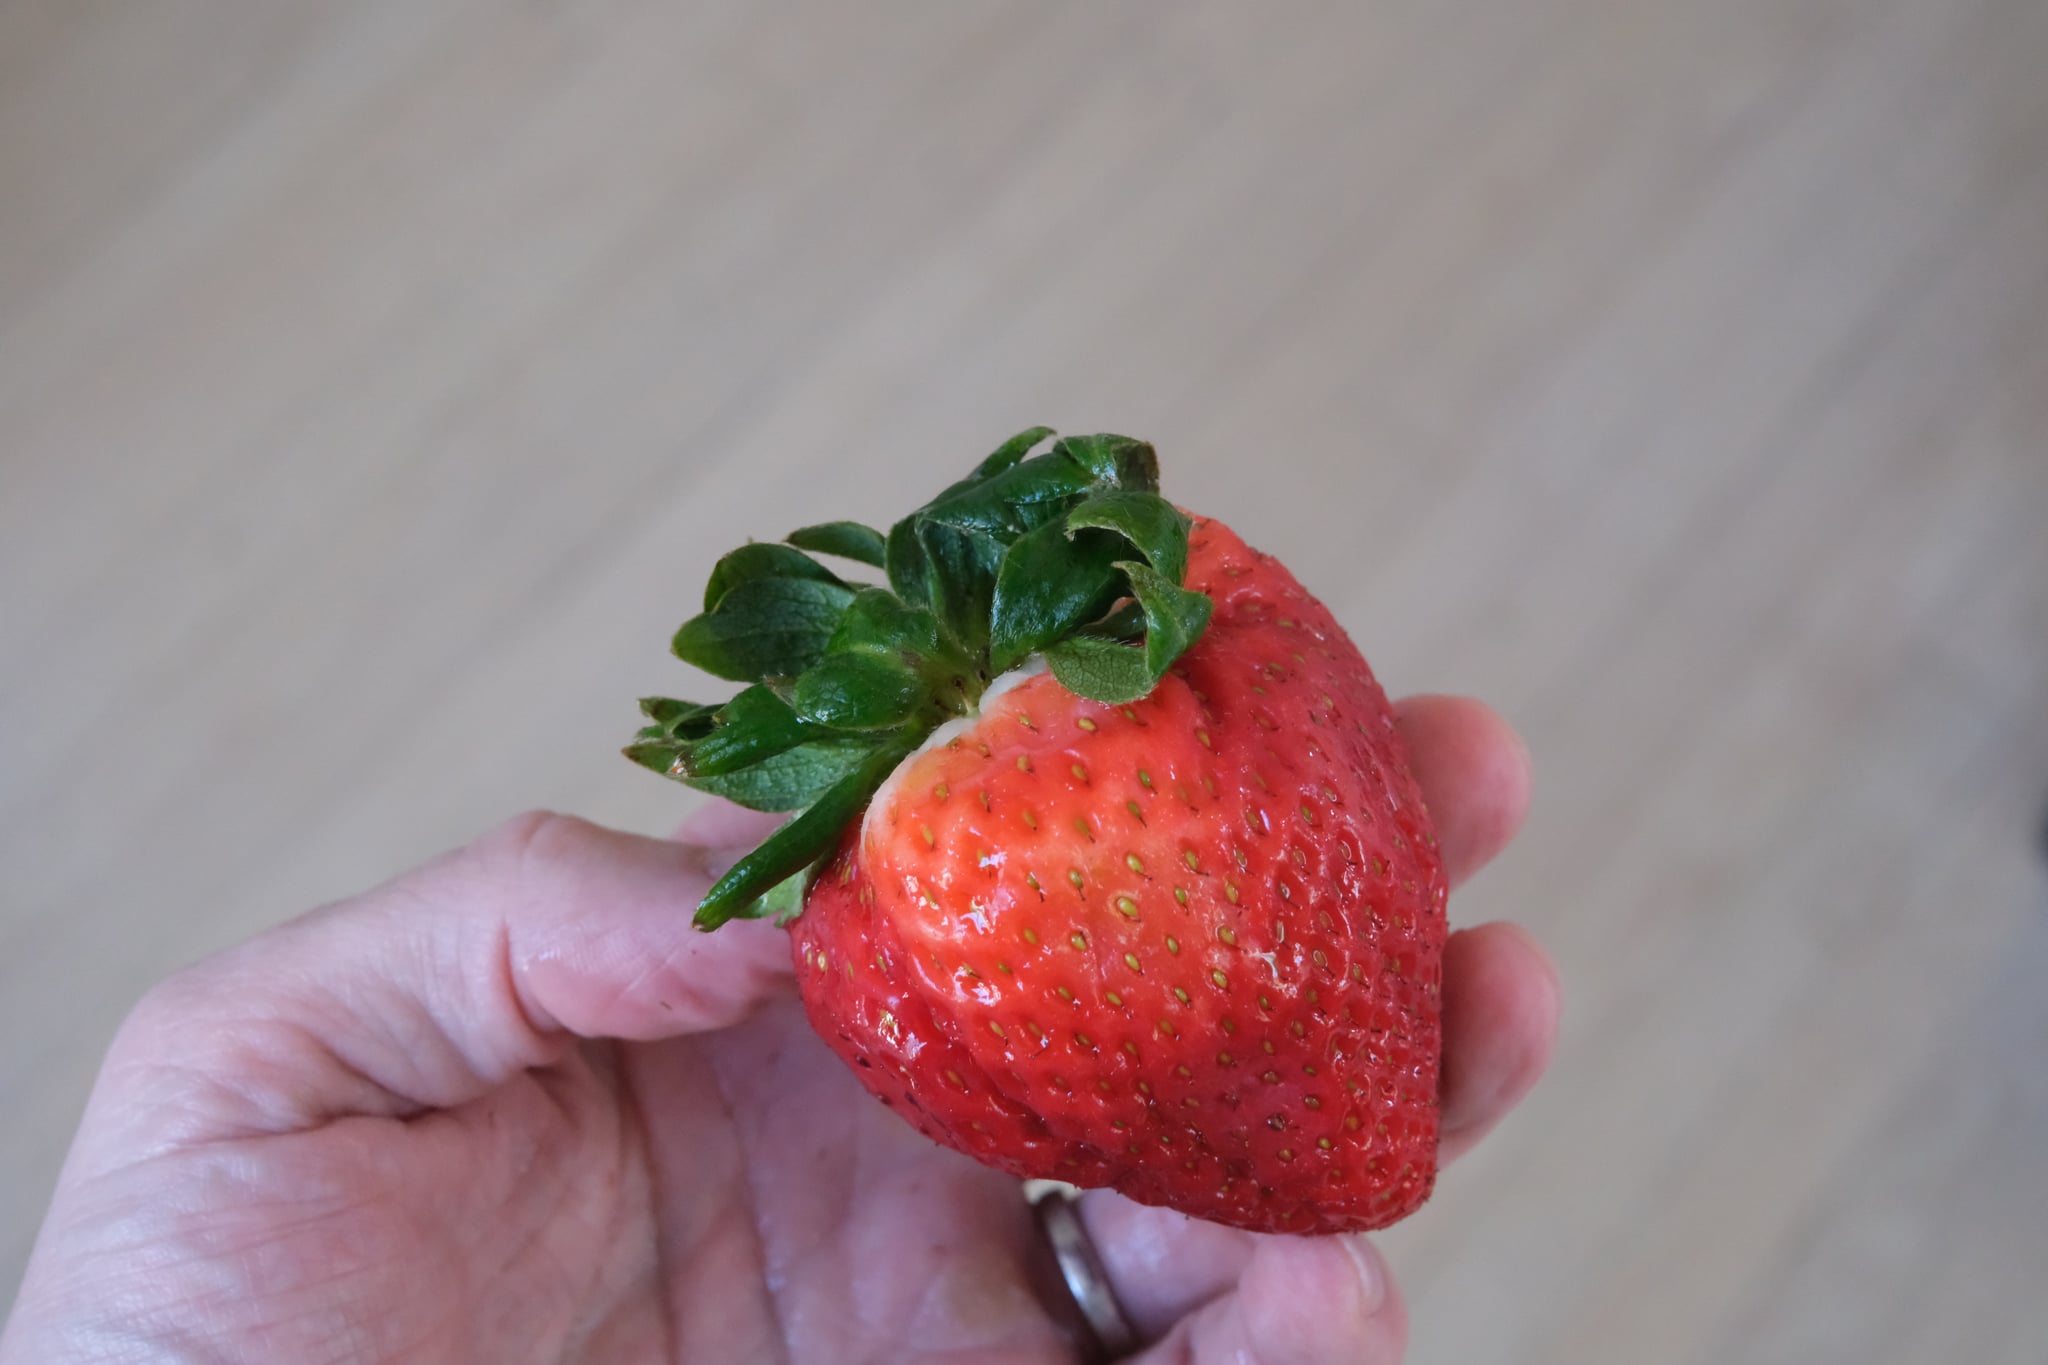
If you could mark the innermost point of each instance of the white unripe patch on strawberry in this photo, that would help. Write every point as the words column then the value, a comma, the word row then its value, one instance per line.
column 882, row 805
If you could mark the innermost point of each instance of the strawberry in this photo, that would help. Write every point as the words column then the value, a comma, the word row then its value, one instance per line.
column 1109, row 867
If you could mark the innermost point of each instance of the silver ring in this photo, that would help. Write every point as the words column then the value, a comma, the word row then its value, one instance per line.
column 1082, row 1270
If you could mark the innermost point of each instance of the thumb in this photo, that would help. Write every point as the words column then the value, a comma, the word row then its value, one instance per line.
column 441, row 985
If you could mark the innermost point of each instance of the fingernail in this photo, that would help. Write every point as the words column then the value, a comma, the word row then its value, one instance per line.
column 1372, row 1272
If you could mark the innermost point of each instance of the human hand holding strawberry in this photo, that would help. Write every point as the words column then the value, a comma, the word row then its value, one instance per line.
column 404, row 1128
column 510, row 1107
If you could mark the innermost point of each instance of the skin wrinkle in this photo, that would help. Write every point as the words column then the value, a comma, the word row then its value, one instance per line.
column 866, row 1184
column 732, row 1197
column 507, row 985
column 204, row 1095
column 745, row 1060
column 359, row 1093
column 246, row 1253
column 939, row 1300
column 242, row 1062
column 137, row 1344
column 558, row 1086
column 772, row 1284
column 266, row 1109
column 679, row 993
column 354, row 1313
column 418, row 1051
column 854, row 1198
column 542, row 1210
column 837, row 1205
column 606, row 1072
column 695, row 1002
column 488, row 990
column 533, row 1243
column 176, row 1010
column 633, row 1128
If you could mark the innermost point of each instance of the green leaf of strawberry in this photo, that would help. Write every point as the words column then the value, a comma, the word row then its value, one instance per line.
column 1118, row 461
column 858, row 691
column 1155, row 526
column 1107, row 670
column 754, row 726
column 799, row 843
column 764, row 627
column 1050, row 584
column 669, row 715
column 756, row 560
column 790, row 780
column 846, row 539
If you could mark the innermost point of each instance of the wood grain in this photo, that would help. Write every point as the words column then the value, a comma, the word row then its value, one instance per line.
column 377, row 380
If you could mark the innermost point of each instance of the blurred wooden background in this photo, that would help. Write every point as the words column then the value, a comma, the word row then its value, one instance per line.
column 378, row 381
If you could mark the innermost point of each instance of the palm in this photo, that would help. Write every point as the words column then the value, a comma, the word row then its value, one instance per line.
column 698, row 1199
column 859, row 1238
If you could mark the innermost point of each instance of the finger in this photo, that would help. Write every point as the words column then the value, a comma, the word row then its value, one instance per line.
column 440, row 986
column 1304, row 1300
column 1474, row 773
column 1501, row 1006
column 1162, row 1265
column 602, row 944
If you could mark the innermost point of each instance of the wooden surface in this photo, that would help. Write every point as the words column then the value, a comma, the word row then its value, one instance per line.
column 378, row 381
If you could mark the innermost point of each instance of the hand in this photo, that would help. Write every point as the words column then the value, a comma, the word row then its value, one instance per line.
column 511, row 1107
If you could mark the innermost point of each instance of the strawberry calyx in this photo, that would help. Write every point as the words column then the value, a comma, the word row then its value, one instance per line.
column 1052, row 547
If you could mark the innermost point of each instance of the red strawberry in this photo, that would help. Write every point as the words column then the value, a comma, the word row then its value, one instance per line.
column 1175, row 929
